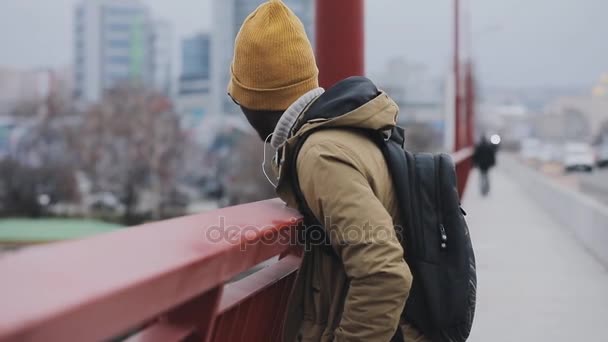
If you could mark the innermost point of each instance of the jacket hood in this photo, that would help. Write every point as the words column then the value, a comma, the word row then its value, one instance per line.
column 354, row 102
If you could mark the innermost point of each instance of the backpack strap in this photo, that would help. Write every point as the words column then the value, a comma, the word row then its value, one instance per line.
column 314, row 232
column 400, row 164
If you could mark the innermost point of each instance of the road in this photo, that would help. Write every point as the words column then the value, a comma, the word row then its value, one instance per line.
column 594, row 183
column 535, row 281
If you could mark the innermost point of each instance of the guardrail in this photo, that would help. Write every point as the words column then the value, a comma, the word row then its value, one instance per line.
column 164, row 281
column 595, row 185
column 584, row 216
column 464, row 163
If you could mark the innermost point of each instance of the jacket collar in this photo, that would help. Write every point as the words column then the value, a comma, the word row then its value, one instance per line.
column 284, row 127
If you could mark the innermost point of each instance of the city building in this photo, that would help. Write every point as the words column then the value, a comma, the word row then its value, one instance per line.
column 420, row 96
column 162, row 47
column 573, row 118
column 194, row 90
column 117, row 41
column 25, row 92
column 22, row 85
column 601, row 88
column 228, row 17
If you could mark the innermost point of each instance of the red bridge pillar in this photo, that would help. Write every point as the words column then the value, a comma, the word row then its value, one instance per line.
column 340, row 40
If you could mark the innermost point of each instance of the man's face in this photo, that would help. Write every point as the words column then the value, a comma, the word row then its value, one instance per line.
column 264, row 121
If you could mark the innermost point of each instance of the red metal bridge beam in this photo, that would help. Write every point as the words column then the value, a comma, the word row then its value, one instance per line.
column 464, row 102
column 459, row 119
column 340, row 40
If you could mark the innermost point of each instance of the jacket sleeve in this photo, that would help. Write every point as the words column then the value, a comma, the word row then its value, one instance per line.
column 363, row 235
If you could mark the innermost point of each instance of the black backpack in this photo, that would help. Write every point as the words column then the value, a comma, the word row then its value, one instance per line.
column 436, row 239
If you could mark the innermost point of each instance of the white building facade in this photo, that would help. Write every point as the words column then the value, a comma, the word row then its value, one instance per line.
column 194, row 90
column 116, row 41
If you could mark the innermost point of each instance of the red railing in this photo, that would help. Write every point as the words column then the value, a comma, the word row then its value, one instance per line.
column 166, row 281
column 175, row 270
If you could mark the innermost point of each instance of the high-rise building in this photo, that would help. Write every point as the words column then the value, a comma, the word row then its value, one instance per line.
column 196, row 57
column 162, row 48
column 116, row 41
column 194, row 95
column 228, row 18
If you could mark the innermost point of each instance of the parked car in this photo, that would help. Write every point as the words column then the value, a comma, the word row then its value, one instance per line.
column 104, row 202
column 578, row 157
column 602, row 155
column 530, row 149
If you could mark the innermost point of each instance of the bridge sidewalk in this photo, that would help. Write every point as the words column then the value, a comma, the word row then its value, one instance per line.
column 535, row 281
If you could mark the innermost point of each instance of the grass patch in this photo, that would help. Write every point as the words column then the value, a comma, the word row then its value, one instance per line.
column 25, row 230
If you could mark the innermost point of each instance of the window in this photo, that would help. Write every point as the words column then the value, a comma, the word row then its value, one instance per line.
column 122, row 11
column 116, row 27
column 195, row 57
column 191, row 91
column 119, row 43
column 122, row 60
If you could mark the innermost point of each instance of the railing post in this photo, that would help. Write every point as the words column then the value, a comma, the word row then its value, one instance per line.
column 340, row 40
column 458, row 134
column 470, row 104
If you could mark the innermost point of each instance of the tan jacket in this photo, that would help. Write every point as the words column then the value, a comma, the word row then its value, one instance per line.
column 359, row 293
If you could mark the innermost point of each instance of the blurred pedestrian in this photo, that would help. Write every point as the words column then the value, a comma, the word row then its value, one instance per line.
column 484, row 158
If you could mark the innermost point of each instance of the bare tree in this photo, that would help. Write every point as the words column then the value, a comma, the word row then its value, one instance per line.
column 39, row 165
column 23, row 186
column 244, row 179
column 132, row 142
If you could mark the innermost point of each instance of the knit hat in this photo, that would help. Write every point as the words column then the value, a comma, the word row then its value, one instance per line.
column 274, row 63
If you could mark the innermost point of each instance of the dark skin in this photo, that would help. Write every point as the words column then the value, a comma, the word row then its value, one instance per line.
column 263, row 121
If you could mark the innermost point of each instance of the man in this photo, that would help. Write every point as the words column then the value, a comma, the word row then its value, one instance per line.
column 357, row 290
column 484, row 158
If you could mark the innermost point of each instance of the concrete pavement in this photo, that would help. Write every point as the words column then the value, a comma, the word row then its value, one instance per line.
column 536, row 282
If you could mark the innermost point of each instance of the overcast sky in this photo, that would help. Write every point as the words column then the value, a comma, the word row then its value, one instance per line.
column 516, row 42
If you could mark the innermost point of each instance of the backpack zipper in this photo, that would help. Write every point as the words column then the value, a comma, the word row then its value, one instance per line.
column 444, row 237
column 443, row 233
column 416, row 205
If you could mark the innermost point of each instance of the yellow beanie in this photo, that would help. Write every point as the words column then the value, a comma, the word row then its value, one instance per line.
column 274, row 63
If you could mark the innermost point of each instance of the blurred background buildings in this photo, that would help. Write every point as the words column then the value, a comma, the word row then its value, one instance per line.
column 119, row 41
column 139, row 125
